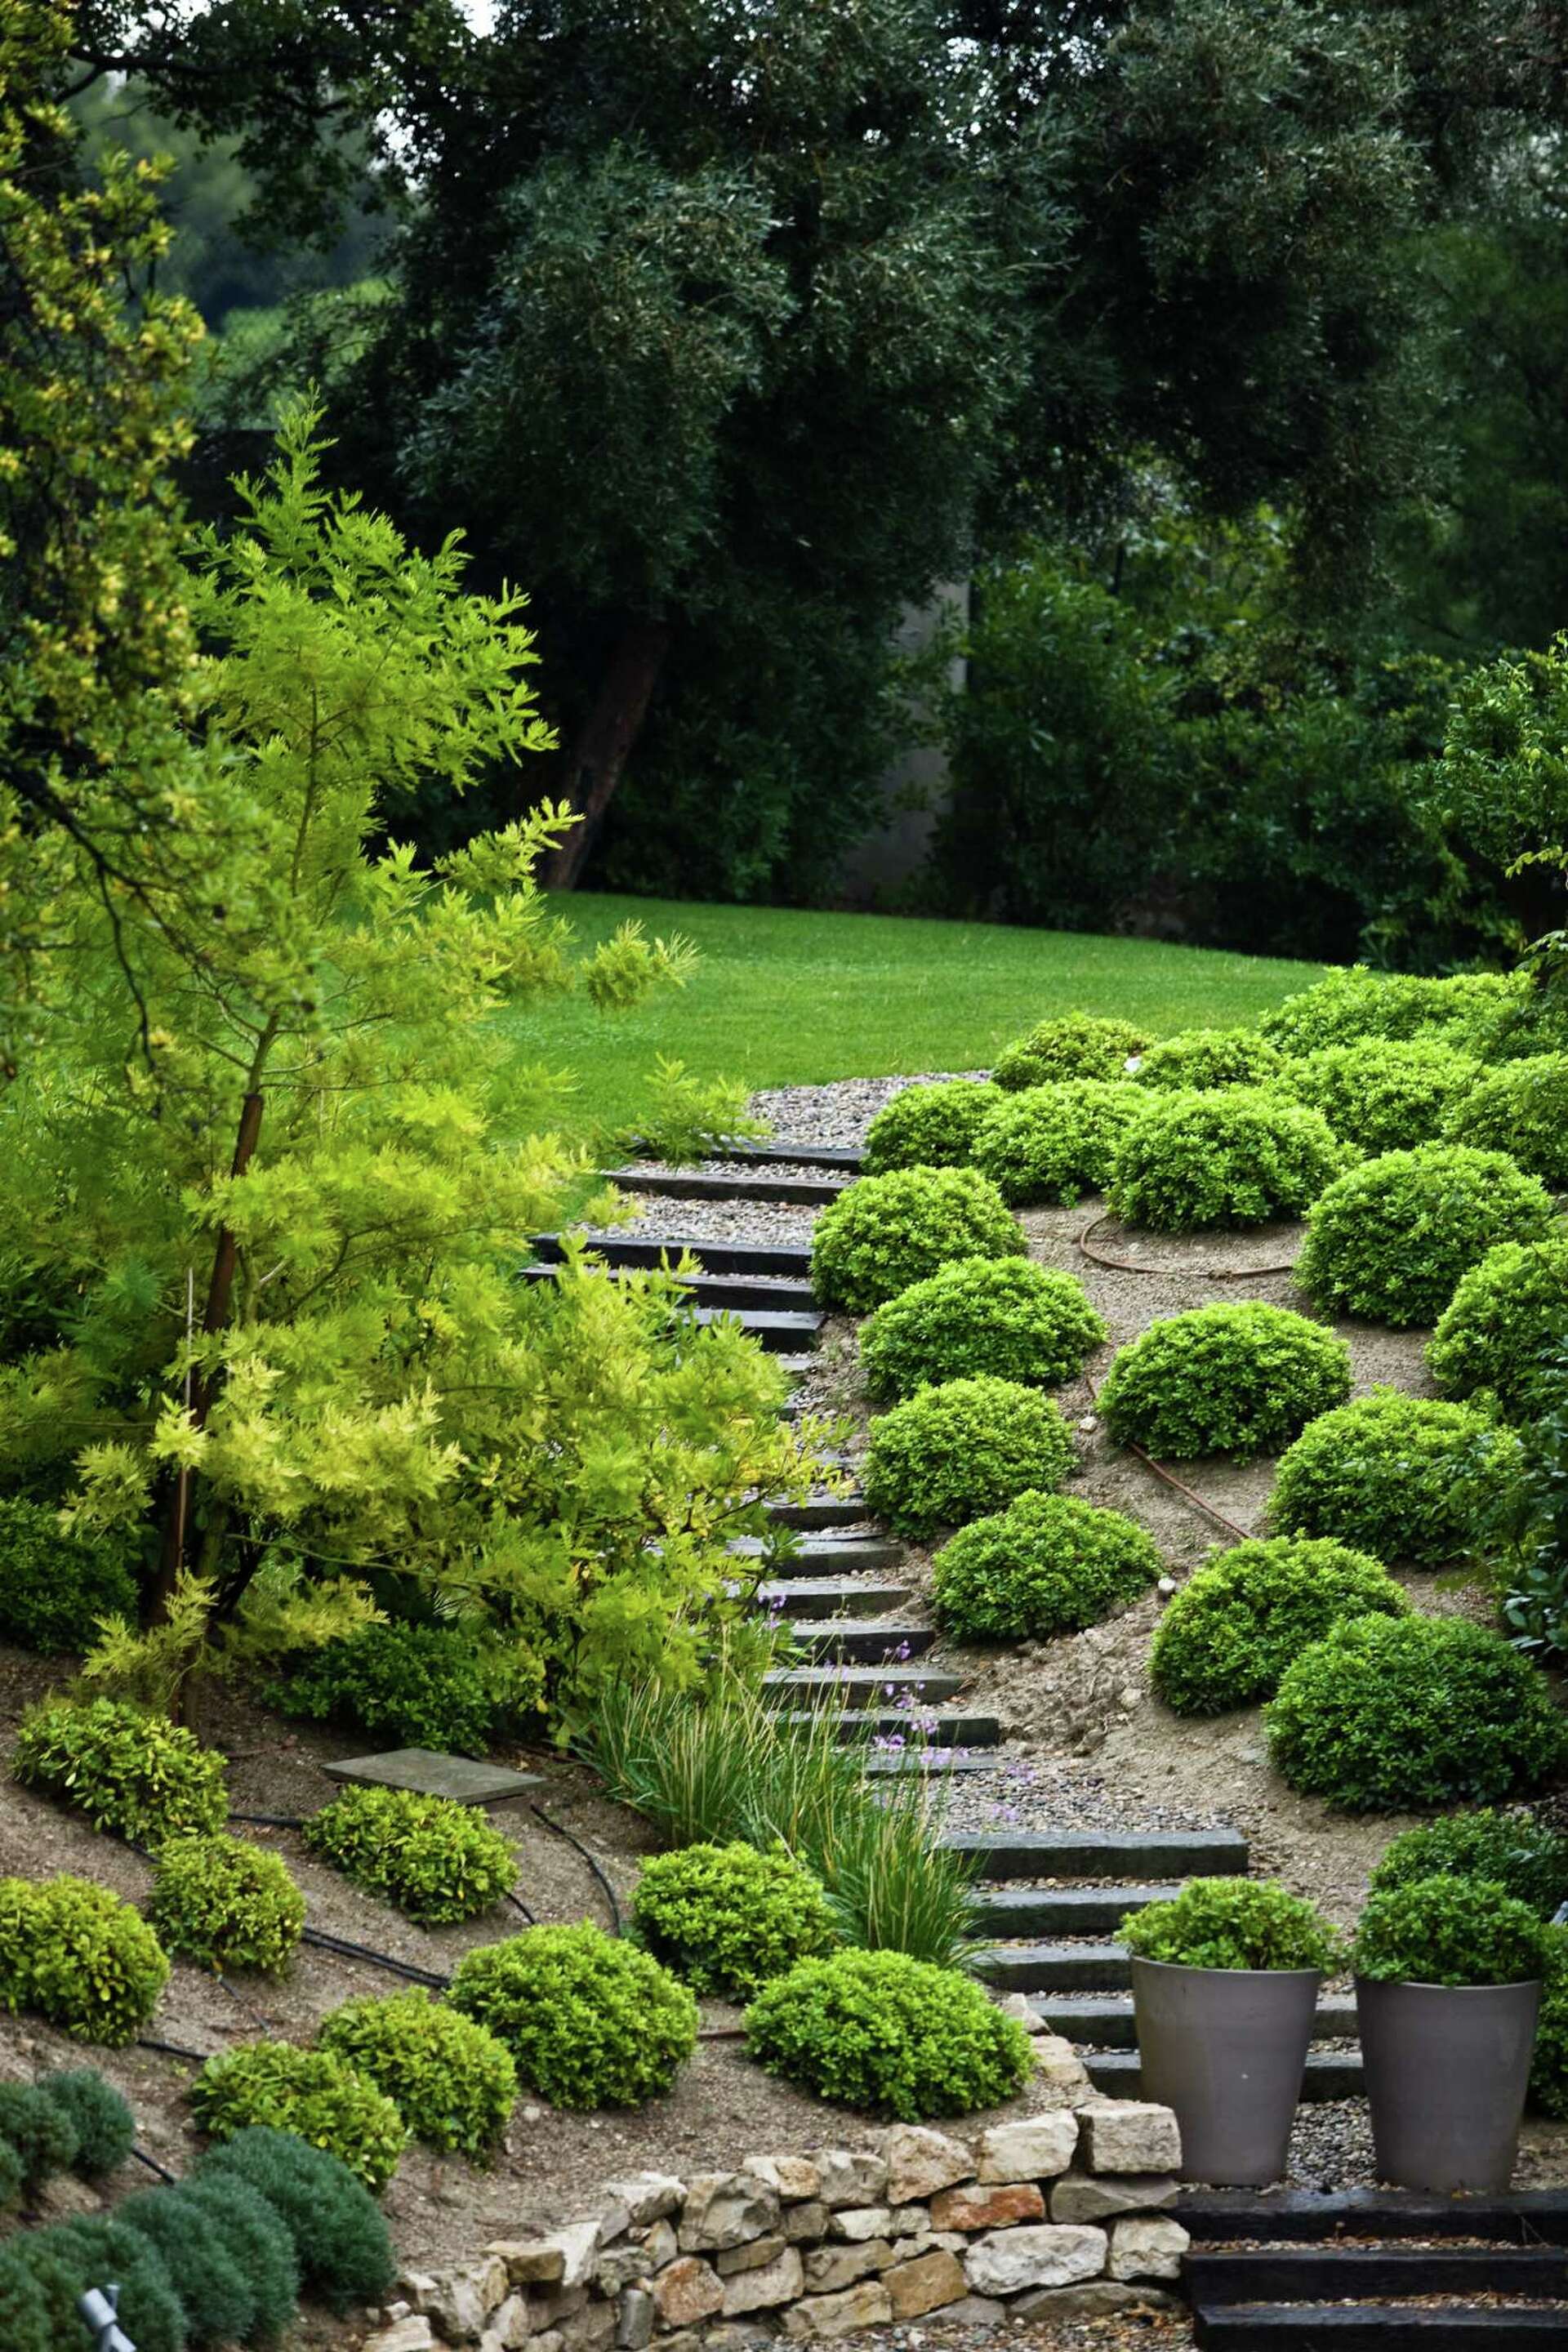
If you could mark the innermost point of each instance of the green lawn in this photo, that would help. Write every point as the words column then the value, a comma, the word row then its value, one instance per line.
column 785, row 997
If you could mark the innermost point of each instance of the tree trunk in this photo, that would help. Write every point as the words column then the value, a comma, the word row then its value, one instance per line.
column 605, row 740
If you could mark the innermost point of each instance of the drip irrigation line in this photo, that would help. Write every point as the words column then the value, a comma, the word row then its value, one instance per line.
column 239, row 2002
column 721, row 2034
column 1188, row 1494
column 1176, row 1273
column 271, row 1820
column 518, row 1905
column 560, row 1831
column 153, row 2164
column 346, row 1951
column 173, row 2049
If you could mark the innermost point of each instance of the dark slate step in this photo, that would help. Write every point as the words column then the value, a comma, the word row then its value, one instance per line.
column 1369, row 2273
column 1331, row 2074
column 830, row 1599
column 940, row 1730
column 1105, row 2021
column 1378, row 2328
column 1055, row 1967
column 875, row 1643
column 792, row 1259
column 832, row 1556
column 1066, row 1910
column 859, row 1686
column 1523, row 2217
column 704, row 1184
column 731, row 1293
column 820, row 1512
column 927, row 1763
column 781, row 1333
column 1105, row 1853
column 842, row 1157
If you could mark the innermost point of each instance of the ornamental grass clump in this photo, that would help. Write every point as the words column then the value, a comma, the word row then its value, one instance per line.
column 727, row 1918
column 1523, row 1855
column 1234, row 1923
column 1505, row 1324
column 1449, row 1929
column 1006, row 1316
column 928, row 1126
column 1391, row 1239
column 590, row 2021
column 450, row 2078
column 949, row 1453
column 1229, row 1634
column 1048, row 1564
column 54, row 1588
column 312, row 2092
column 78, row 1956
column 225, row 1905
column 1224, row 1380
column 340, row 2240
column 137, row 1774
column 886, row 1231
column 1072, row 1045
column 436, row 1860
column 888, row 2034
column 1404, row 1478
column 1237, row 1158
column 1398, row 1714
column 1382, row 1095
column 1520, row 1108
column 1055, row 1141
column 1199, row 1061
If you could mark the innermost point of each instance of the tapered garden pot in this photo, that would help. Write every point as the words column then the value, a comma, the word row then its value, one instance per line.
column 1226, row 2048
column 1447, row 2071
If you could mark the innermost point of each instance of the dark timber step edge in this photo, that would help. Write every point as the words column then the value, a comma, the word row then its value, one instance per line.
column 1315, row 2215
column 1066, row 1910
column 927, row 1763
column 731, row 1292
column 938, row 1730
column 838, row 1555
column 1331, row 2074
column 698, row 1184
column 830, row 1600
column 844, row 1157
column 779, row 1332
column 1377, row 2327
column 876, row 1642
column 819, row 1513
column 1369, row 2273
column 792, row 1259
column 859, row 1686
column 1106, row 2022
column 1104, row 1854
column 1054, row 1967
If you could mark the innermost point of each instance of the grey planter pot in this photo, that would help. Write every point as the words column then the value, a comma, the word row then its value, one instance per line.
column 1447, row 2071
column 1226, row 2048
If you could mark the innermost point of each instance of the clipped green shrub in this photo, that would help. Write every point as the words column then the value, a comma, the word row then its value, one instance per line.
column 1380, row 1093
column 437, row 1860
column 257, row 2241
column 13, row 2176
column 1448, row 1931
column 1048, row 1564
column 218, row 2299
column 104, row 2125
column 886, row 1231
column 225, row 1904
column 1391, row 1239
column 1005, row 1316
column 55, row 1587
column 30, row 2295
column 1402, row 1478
column 1234, row 1923
column 80, row 1957
column 39, row 2130
column 1548, row 2063
column 1054, row 1141
column 1071, row 1046
column 312, row 2092
column 439, row 1686
column 1507, row 1319
column 1237, row 1158
column 450, row 2078
column 1521, row 1108
column 1393, row 1714
column 140, row 1775
column 1224, row 1380
column 948, row 1453
column 1200, row 1061
column 340, row 2235
column 928, row 1126
column 1357, row 1003
column 590, row 2021
column 74, row 2255
column 888, row 2034
column 1514, row 1850
column 728, row 1918
column 1237, row 1624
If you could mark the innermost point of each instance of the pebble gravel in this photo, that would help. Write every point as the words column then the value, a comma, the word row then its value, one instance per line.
column 836, row 1115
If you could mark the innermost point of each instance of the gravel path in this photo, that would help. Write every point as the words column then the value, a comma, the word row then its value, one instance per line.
column 836, row 1115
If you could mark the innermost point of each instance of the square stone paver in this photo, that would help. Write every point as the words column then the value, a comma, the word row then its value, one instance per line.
column 431, row 1774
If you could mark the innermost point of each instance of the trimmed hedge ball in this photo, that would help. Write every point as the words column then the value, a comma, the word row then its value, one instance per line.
column 1402, row 1478
column 236, row 2284
column 1238, row 1157
column 1075, row 1045
column 1352, row 1005
column 1448, row 1931
column 312, row 2092
column 1234, row 1923
column 1239, row 1621
column 948, row 1453
column 1224, row 1380
column 886, row 1231
column 1515, row 1850
column 1006, row 1316
column 1200, row 1060
column 1395, row 1714
column 1048, row 1564
column 1382, row 1094
column 450, row 2079
column 888, row 2034
column 53, row 1587
column 929, row 1127
column 225, row 1904
column 728, row 1918
column 439, row 1861
column 104, row 2125
column 80, row 1957
column 1391, row 1239
column 590, row 2020
column 1505, row 1324
column 135, row 1773
column 1054, row 1141
column 1521, row 1108
column 37, row 2130
column 340, row 2238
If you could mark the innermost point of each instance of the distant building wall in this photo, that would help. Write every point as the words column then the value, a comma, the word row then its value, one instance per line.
column 915, row 790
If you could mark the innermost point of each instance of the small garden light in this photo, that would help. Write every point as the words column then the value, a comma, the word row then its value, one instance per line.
column 100, row 2307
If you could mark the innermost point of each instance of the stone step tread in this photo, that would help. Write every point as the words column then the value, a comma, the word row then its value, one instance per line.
column 1067, row 1910
column 1524, row 2215
column 732, row 1293
column 950, row 1731
column 699, row 1184
column 782, row 1333
column 1105, row 2021
column 818, row 1556
column 859, row 1686
column 1377, row 2326
column 831, row 1598
column 792, row 1259
column 870, row 1640
column 1329, row 2273
column 1049, row 1968
column 1103, row 1854
column 928, row 1763
column 844, row 1156
column 820, row 1513
column 1330, row 2074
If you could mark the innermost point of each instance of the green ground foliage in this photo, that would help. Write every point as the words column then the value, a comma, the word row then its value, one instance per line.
column 1224, row 1379
column 728, row 1918
column 450, row 2079
column 1054, row 1140
column 884, row 2033
column 590, row 2020
column 78, row 1956
column 312, row 2092
column 340, row 2237
column 1236, row 1158
column 1241, row 1620
column 225, row 1904
column 1382, row 1094
column 129, row 1771
column 1391, row 1239
column 439, row 1861
column 1515, row 1849
column 886, row 1231
column 1505, row 1324
column 1006, row 1316
column 1404, row 1478
column 948, row 1453
column 928, row 1126
column 1048, row 1564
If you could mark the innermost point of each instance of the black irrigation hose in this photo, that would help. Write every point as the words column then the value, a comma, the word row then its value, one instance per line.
column 1176, row 1273
column 173, row 2049
column 153, row 2164
column 271, row 1820
column 518, row 1905
column 560, row 1831
column 351, row 1951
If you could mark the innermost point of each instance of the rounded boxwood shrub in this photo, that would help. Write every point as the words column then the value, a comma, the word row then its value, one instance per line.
column 80, row 1957
column 948, row 1453
column 439, row 1861
column 1234, row 1923
column 728, row 1918
column 1393, row 1714
column 590, row 2021
column 928, row 1126
column 138, row 1774
column 1517, row 1852
column 1048, row 1564
column 1054, row 1141
column 890, row 2034
column 340, row 2240
column 225, row 1904
column 1521, row 1108
column 451, row 2080
column 1237, row 1158
column 1224, row 1380
column 40, row 2134
column 312, row 2092
column 104, row 2126
column 1448, row 1931
column 1391, row 1239
column 1073, row 1045
column 1200, row 1060
column 1234, row 1626
column 1382, row 1095
column 55, row 1587
column 1006, row 1316
column 1506, row 1320
column 1356, row 1004
column 1549, row 2065
column 886, row 1231
column 437, row 1686
column 1402, row 1478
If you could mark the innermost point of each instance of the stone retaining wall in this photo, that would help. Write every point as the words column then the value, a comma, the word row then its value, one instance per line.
column 1057, row 2214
